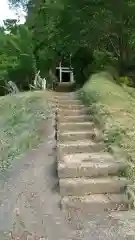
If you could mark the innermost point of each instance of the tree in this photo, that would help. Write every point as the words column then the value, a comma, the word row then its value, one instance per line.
column 17, row 58
column 10, row 24
column 60, row 28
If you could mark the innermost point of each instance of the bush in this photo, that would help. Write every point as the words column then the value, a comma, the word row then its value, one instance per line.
column 125, row 81
column 102, row 60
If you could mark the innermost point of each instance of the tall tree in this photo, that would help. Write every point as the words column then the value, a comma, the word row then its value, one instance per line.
column 66, row 26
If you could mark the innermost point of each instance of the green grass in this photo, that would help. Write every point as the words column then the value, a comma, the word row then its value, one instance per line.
column 21, row 117
column 113, row 109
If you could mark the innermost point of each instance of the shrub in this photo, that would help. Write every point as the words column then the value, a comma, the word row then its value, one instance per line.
column 125, row 80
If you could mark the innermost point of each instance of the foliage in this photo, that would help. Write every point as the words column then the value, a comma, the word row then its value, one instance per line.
column 105, row 28
column 94, row 25
column 10, row 25
column 17, row 58
column 125, row 81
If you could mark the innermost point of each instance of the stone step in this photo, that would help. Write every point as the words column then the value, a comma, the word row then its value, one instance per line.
column 79, row 118
column 75, row 135
column 72, row 112
column 65, row 96
column 84, row 186
column 62, row 106
column 96, row 203
column 68, row 101
column 72, row 126
column 89, row 165
column 85, row 146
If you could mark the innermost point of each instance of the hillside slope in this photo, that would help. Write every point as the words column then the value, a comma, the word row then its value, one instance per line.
column 113, row 109
column 21, row 124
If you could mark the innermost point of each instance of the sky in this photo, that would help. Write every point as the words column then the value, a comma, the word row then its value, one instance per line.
column 6, row 12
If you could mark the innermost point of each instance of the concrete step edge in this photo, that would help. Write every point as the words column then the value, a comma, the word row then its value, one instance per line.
column 75, row 116
column 78, row 143
column 76, row 132
column 67, row 103
column 88, row 164
column 76, row 123
column 96, row 203
column 86, row 156
column 120, row 197
column 80, row 170
column 98, row 180
column 73, row 147
column 84, row 109
column 85, row 186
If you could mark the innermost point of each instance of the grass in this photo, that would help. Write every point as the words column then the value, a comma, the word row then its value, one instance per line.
column 21, row 116
column 113, row 109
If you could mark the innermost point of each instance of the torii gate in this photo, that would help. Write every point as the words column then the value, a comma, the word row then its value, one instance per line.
column 65, row 70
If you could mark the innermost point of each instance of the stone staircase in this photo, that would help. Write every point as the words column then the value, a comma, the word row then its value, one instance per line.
column 89, row 177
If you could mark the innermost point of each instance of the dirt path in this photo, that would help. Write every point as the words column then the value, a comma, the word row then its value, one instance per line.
column 31, row 186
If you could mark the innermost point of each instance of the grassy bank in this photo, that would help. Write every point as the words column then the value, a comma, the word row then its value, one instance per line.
column 113, row 110
column 21, row 117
